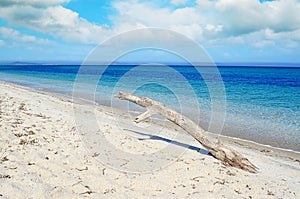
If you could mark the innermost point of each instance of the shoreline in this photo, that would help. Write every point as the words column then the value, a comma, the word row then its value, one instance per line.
column 42, row 154
column 66, row 96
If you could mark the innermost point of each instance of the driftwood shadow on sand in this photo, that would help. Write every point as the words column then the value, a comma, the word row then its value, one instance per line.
column 155, row 137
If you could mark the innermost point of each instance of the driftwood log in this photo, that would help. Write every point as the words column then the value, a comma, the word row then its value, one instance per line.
column 226, row 155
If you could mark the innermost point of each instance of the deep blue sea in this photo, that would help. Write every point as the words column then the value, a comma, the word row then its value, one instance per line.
column 262, row 103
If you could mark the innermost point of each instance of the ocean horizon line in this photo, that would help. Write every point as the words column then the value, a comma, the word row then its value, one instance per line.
column 202, row 64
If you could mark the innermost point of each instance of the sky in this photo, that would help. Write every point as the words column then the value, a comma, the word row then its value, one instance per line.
column 228, row 30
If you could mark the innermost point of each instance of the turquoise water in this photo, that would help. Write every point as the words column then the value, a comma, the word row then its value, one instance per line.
column 262, row 103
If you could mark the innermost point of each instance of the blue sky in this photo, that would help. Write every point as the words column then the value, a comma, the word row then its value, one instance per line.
column 230, row 31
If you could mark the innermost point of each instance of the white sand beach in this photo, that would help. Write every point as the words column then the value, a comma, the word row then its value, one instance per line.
column 43, row 156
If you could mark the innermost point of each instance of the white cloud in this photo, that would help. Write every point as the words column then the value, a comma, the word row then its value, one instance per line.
column 225, row 21
column 194, row 31
column 2, row 43
column 245, row 16
column 149, row 15
column 15, row 36
column 264, row 43
column 293, row 35
column 218, row 19
column 56, row 21
column 214, row 28
column 32, row 2
column 204, row 4
column 8, row 33
column 178, row 2
column 183, row 20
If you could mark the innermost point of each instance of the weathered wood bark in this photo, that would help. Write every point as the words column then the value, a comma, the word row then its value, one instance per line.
column 218, row 150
